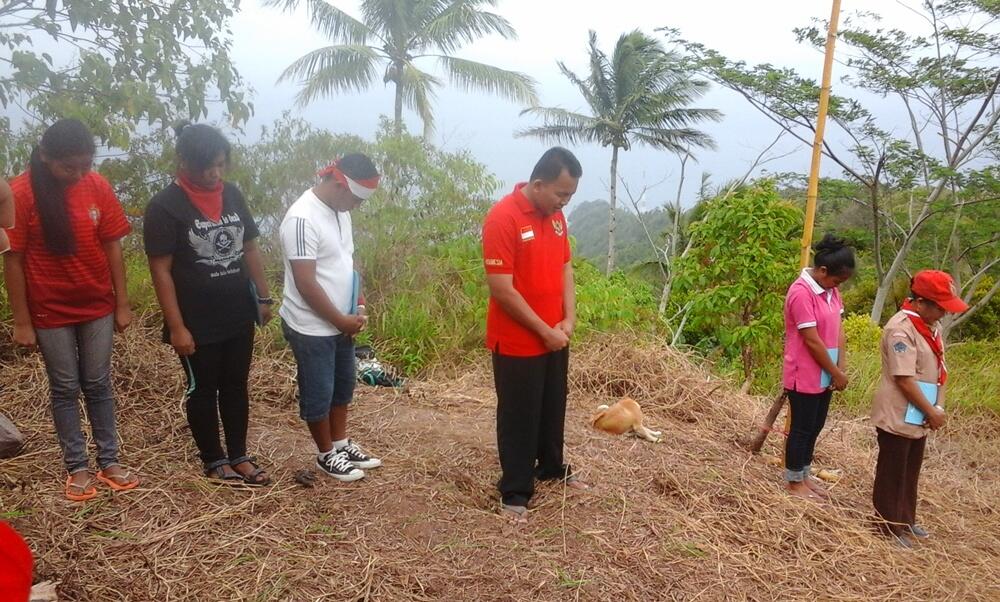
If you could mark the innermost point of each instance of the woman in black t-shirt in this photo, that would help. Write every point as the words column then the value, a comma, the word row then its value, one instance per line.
column 209, row 278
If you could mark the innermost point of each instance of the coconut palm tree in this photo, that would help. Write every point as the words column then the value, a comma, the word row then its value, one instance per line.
column 639, row 95
column 392, row 37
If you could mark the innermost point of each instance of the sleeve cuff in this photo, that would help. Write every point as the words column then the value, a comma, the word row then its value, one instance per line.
column 804, row 325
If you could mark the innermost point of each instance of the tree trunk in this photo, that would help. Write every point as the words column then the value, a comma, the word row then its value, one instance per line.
column 398, row 107
column 613, row 201
column 762, row 431
column 675, row 232
column 884, row 287
column 876, row 225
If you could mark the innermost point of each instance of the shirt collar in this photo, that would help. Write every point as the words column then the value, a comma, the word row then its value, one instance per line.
column 813, row 285
column 525, row 205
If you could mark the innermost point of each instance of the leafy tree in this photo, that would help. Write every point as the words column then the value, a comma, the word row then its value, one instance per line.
column 946, row 82
column 638, row 95
column 133, row 62
column 742, row 259
column 396, row 34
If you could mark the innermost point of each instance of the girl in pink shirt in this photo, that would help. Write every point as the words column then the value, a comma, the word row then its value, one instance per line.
column 814, row 357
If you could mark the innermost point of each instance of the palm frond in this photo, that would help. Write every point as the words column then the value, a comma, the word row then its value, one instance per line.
column 393, row 19
column 419, row 90
column 562, row 117
column 675, row 140
column 461, row 22
column 333, row 69
column 328, row 20
column 636, row 61
column 600, row 79
column 583, row 86
column 472, row 75
column 560, row 133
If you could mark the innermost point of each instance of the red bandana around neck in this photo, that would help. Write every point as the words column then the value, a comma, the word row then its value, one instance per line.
column 206, row 200
column 933, row 339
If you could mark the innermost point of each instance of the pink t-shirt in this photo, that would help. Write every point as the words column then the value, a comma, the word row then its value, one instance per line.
column 809, row 305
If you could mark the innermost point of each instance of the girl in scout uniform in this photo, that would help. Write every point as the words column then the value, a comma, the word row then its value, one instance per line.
column 908, row 402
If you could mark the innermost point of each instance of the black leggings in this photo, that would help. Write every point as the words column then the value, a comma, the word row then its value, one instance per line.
column 217, row 376
column 809, row 412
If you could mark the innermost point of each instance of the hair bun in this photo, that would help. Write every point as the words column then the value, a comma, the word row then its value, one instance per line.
column 829, row 244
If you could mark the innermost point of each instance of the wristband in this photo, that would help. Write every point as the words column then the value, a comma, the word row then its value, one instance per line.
column 265, row 301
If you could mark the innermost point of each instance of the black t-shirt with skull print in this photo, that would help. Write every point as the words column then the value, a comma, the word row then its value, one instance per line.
column 208, row 269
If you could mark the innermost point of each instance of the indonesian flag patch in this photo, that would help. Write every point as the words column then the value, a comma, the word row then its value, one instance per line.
column 527, row 234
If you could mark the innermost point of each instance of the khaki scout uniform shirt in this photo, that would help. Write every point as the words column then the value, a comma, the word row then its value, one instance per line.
column 904, row 353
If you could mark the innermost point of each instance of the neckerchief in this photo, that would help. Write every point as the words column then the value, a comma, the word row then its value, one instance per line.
column 933, row 339
column 206, row 200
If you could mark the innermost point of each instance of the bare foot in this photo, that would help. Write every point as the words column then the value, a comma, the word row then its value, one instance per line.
column 800, row 489
column 81, row 479
column 817, row 488
column 517, row 515
column 574, row 482
column 120, row 476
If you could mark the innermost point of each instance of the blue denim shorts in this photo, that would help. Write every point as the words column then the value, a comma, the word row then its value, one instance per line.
column 325, row 371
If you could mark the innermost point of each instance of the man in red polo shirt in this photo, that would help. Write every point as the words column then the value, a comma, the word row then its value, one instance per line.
column 531, row 316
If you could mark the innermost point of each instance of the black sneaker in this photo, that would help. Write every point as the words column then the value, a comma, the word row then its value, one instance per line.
column 358, row 457
column 337, row 465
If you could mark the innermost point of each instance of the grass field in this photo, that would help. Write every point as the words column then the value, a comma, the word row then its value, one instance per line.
column 693, row 518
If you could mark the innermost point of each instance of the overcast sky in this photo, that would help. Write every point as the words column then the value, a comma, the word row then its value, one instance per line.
column 266, row 41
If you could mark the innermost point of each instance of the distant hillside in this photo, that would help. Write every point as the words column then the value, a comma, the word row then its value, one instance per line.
column 588, row 222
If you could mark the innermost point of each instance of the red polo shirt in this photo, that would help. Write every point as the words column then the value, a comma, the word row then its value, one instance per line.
column 76, row 288
column 519, row 240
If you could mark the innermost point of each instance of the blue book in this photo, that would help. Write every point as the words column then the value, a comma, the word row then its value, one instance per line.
column 355, row 292
column 913, row 414
column 824, row 376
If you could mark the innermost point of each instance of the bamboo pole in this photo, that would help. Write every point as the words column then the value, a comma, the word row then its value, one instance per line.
column 812, row 192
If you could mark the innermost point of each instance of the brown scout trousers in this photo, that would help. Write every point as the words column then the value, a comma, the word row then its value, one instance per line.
column 896, row 476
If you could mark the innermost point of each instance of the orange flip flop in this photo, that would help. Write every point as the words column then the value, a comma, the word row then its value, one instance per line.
column 113, row 484
column 87, row 490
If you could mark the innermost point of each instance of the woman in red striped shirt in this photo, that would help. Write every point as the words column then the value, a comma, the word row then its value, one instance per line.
column 66, row 285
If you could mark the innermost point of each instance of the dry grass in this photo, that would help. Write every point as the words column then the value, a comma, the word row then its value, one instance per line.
column 695, row 518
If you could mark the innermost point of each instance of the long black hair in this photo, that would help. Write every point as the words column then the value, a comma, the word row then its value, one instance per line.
column 835, row 255
column 199, row 145
column 64, row 139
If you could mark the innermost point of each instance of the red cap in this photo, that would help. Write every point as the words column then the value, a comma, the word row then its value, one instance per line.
column 938, row 286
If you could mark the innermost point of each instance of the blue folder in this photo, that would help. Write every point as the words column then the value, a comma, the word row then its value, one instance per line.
column 355, row 293
column 913, row 414
column 824, row 376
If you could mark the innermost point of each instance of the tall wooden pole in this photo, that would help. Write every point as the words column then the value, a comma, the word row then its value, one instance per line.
column 812, row 193
column 824, row 104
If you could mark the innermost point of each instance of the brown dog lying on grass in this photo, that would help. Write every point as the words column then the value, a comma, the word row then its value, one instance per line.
column 623, row 417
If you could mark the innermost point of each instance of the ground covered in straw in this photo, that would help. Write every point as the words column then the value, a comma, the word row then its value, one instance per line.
column 693, row 518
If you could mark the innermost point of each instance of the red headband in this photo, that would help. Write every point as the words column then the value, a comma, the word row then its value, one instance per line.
column 359, row 188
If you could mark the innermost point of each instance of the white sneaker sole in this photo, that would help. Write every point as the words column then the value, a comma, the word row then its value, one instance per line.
column 346, row 478
column 372, row 463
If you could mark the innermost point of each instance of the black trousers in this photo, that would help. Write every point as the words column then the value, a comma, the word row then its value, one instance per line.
column 531, row 413
column 809, row 412
column 217, row 376
column 896, row 474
